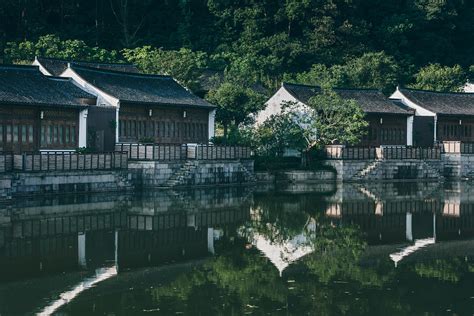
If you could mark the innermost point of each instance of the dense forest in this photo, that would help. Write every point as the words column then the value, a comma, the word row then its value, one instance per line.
column 361, row 43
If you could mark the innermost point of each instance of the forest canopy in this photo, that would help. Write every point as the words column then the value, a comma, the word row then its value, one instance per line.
column 355, row 43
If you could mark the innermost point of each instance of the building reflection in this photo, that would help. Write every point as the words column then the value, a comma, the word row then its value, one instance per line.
column 39, row 237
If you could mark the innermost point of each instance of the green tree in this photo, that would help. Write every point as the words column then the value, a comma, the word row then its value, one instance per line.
column 278, row 133
column 53, row 46
column 184, row 65
column 373, row 70
column 335, row 119
column 235, row 104
column 440, row 78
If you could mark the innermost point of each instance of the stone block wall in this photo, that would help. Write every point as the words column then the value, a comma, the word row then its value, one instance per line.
column 65, row 182
column 201, row 172
column 347, row 169
column 458, row 165
column 384, row 170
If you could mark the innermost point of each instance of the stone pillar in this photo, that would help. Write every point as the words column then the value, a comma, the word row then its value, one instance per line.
column 211, row 123
column 410, row 130
column 117, row 127
column 83, row 128
column 435, row 134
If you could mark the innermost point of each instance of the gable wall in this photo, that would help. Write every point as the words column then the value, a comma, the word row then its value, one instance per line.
column 274, row 105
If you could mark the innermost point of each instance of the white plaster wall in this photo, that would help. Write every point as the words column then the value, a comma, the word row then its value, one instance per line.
column 420, row 111
column 274, row 105
column 41, row 68
column 103, row 99
column 469, row 87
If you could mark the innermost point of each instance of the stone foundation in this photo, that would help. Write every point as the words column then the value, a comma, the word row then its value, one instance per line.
column 191, row 172
column 294, row 176
column 386, row 170
column 64, row 182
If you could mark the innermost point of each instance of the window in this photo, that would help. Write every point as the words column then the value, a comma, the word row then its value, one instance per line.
column 73, row 134
column 122, row 127
column 60, row 135
column 15, row 133
column 30, row 134
column 9, row 133
column 55, row 134
column 134, row 128
column 67, row 135
column 23, row 134
column 50, row 134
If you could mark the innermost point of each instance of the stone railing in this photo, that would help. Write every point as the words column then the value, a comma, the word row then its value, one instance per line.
column 69, row 161
column 402, row 152
column 340, row 152
column 166, row 152
column 6, row 161
column 457, row 147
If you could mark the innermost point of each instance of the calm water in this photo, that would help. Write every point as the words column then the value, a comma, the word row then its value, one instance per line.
column 382, row 249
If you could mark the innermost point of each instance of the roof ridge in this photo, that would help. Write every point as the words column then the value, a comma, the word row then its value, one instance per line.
column 299, row 84
column 83, row 61
column 131, row 74
column 357, row 89
column 24, row 67
column 59, row 78
column 437, row 92
column 332, row 88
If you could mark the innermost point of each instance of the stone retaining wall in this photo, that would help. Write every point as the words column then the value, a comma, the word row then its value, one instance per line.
column 64, row 182
column 385, row 170
column 456, row 165
column 294, row 176
column 199, row 172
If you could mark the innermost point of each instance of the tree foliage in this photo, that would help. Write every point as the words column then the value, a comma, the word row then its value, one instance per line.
column 184, row 64
column 235, row 104
column 440, row 78
column 53, row 46
column 337, row 120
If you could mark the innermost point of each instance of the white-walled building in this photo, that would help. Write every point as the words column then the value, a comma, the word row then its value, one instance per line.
column 151, row 108
column 439, row 116
column 390, row 122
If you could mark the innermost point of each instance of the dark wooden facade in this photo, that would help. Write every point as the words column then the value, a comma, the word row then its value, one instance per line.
column 455, row 128
column 160, row 124
column 385, row 129
column 22, row 129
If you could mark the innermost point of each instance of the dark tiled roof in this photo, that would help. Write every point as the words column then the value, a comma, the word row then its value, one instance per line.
column 140, row 88
column 371, row 101
column 57, row 66
column 27, row 85
column 301, row 92
column 447, row 103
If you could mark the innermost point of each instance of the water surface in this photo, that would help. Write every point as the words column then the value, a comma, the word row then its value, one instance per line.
column 373, row 249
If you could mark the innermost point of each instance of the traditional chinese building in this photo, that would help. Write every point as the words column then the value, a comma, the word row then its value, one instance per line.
column 389, row 120
column 148, row 108
column 39, row 112
column 439, row 116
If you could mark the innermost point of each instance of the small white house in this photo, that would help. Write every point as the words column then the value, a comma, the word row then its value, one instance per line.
column 390, row 122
